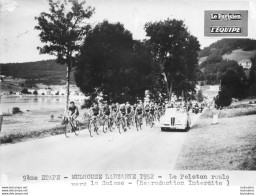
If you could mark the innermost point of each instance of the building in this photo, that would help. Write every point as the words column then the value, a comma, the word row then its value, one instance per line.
column 245, row 63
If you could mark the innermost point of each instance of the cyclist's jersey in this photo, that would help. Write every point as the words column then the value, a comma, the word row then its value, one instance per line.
column 73, row 110
column 129, row 109
column 139, row 110
column 123, row 110
column 134, row 108
column 106, row 110
column 147, row 108
column 95, row 111
column 152, row 109
column 114, row 108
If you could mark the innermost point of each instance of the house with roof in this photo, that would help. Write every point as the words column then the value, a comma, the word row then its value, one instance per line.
column 245, row 63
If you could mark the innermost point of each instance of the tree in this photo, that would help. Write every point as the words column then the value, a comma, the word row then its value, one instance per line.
column 235, row 81
column 200, row 97
column 252, row 77
column 113, row 65
column 35, row 92
column 62, row 31
column 175, row 51
column 224, row 98
column 24, row 91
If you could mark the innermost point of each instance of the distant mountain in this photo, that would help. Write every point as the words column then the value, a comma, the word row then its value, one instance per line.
column 226, row 46
column 47, row 72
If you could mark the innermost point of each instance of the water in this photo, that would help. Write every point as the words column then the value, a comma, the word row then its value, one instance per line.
column 33, row 103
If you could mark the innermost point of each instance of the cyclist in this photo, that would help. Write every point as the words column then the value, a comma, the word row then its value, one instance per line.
column 105, row 109
column 128, row 108
column 122, row 113
column 139, row 112
column 73, row 113
column 95, row 110
column 152, row 110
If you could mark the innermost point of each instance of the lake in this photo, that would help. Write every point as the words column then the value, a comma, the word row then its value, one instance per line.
column 33, row 103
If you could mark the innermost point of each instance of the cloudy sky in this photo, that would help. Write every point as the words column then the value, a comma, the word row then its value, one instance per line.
column 18, row 39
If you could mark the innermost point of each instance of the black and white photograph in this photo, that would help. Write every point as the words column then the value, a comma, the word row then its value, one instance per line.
column 127, row 93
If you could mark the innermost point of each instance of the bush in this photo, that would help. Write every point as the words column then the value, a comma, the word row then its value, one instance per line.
column 35, row 92
column 16, row 110
column 88, row 103
column 223, row 99
column 24, row 91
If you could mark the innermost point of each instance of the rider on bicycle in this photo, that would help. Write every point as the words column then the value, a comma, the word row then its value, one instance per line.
column 147, row 108
column 122, row 113
column 152, row 109
column 95, row 111
column 73, row 113
column 139, row 112
column 128, row 108
column 106, row 109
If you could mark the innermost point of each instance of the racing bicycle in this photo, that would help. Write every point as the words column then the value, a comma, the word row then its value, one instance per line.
column 93, row 125
column 70, row 126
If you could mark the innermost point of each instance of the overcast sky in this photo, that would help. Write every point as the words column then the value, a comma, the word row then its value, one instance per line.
column 18, row 39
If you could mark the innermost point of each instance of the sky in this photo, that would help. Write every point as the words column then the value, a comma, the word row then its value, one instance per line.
column 19, row 40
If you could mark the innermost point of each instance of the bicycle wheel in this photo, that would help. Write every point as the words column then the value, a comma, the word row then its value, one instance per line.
column 110, row 124
column 78, row 128
column 151, row 121
column 123, row 125
column 137, row 122
column 118, row 125
column 105, row 125
column 90, row 127
column 68, row 130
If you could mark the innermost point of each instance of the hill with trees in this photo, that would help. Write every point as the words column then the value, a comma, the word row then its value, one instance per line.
column 47, row 72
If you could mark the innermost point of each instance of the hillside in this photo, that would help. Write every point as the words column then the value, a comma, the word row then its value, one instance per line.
column 239, row 54
column 47, row 72
column 226, row 46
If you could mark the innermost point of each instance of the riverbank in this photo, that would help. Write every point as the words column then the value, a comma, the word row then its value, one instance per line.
column 33, row 125
column 228, row 145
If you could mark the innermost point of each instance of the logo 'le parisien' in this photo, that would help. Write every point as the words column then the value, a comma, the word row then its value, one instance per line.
column 226, row 23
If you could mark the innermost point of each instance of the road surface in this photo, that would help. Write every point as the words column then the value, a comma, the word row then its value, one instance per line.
column 148, row 149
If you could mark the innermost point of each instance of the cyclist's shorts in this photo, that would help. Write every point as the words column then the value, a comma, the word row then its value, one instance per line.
column 146, row 110
column 152, row 111
column 139, row 113
column 95, row 114
column 107, row 113
column 123, row 113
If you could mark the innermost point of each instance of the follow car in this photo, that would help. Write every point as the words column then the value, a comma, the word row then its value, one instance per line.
column 175, row 119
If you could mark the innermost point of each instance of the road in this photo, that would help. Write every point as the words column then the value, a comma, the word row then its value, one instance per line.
column 148, row 149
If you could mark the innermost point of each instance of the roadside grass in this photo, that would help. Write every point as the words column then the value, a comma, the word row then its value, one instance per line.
column 24, row 136
column 228, row 145
column 234, row 111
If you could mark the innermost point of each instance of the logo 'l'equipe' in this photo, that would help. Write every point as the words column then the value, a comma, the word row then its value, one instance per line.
column 226, row 29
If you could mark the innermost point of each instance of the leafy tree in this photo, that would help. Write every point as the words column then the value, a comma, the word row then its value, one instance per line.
column 35, row 92
column 62, row 31
column 175, row 51
column 200, row 97
column 24, row 91
column 224, row 98
column 112, row 64
column 252, row 77
column 235, row 81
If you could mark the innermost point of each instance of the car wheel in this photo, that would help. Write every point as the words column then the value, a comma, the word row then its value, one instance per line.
column 188, row 127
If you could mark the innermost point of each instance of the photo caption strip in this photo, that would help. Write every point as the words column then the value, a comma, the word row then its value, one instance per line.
column 226, row 23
